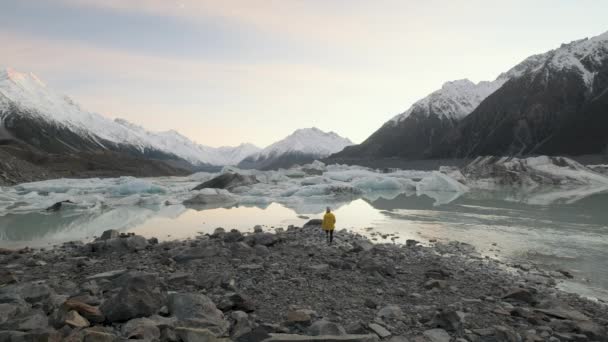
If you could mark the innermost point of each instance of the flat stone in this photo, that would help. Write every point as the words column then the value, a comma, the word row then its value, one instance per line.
column 107, row 275
column 109, row 234
column 322, row 338
column 91, row 313
column 195, row 335
column 437, row 335
column 74, row 320
column 98, row 336
column 380, row 330
column 199, row 311
column 324, row 327
column 390, row 311
column 319, row 268
column 521, row 295
column 299, row 316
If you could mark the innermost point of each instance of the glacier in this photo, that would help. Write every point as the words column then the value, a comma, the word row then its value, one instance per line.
column 309, row 188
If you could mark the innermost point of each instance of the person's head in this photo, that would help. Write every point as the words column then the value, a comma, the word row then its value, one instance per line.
column 328, row 209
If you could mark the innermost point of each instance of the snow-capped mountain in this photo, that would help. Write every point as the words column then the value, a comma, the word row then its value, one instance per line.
column 556, row 106
column 33, row 113
column 302, row 146
column 434, row 125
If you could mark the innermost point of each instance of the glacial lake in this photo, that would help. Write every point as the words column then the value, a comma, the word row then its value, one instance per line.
column 564, row 234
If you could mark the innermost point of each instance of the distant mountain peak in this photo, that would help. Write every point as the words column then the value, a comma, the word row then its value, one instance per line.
column 25, row 95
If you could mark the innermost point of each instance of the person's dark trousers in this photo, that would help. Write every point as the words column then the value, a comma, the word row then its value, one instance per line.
column 330, row 236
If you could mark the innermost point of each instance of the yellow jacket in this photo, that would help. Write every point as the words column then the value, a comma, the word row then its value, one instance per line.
column 329, row 222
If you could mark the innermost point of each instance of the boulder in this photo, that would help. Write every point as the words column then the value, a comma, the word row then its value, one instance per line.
column 109, row 234
column 107, row 275
column 137, row 298
column 437, row 335
column 411, row 243
column 119, row 245
column 74, row 320
column 7, row 277
column 196, row 335
column 521, row 295
column 26, row 322
column 505, row 334
column 242, row 324
column 197, row 253
column 34, row 292
column 141, row 329
column 391, row 312
column 321, row 338
column 372, row 265
column 379, row 330
column 233, row 236
column 435, row 284
column 89, row 312
column 238, row 301
column 313, row 223
column 324, row 327
column 228, row 181
column 90, row 335
column 257, row 229
column 197, row 310
column 303, row 317
column 264, row 239
column 449, row 320
column 362, row 246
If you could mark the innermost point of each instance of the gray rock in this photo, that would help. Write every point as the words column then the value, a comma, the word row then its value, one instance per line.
column 197, row 253
column 109, row 234
column 313, row 223
column 521, row 295
column 233, row 236
column 437, row 335
column 449, row 320
column 391, row 312
column 26, row 322
column 210, row 201
column 362, row 246
column 399, row 339
column 9, row 311
column 236, row 301
column 141, row 329
column 195, row 335
column 119, row 245
column 261, row 250
column 74, row 320
column 197, row 310
column 380, row 330
column 372, row 265
column 264, row 239
column 411, row 242
column 321, row 338
column 35, row 292
column 90, row 335
column 107, row 275
column 505, row 334
column 258, row 229
column 136, row 299
column 89, row 312
column 242, row 324
column 303, row 317
column 324, row 327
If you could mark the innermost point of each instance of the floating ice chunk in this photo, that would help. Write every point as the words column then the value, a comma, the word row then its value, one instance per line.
column 438, row 182
column 314, row 181
column 211, row 198
column 335, row 190
column 492, row 172
column 131, row 185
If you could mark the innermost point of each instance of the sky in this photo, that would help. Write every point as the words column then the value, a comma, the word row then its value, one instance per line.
column 232, row 71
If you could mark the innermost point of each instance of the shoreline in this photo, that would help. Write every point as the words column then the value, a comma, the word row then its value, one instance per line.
column 266, row 286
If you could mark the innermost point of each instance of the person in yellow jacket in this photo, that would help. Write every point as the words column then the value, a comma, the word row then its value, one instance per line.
column 328, row 225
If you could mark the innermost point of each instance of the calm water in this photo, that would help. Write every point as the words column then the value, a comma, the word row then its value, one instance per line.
column 573, row 236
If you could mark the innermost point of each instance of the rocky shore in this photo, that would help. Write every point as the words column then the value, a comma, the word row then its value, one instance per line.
column 285, row 285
